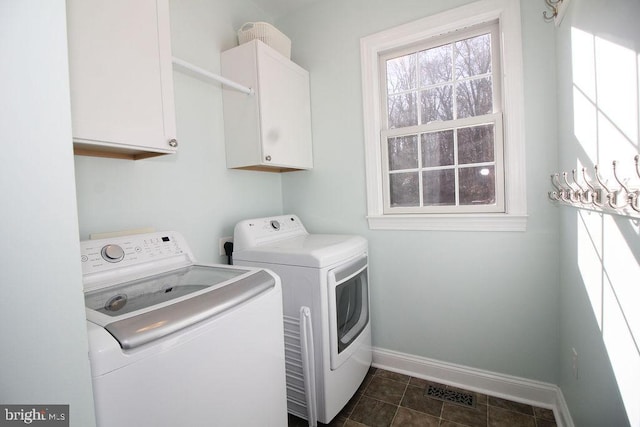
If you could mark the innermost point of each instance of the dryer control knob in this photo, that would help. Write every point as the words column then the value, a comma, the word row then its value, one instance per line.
column 112, row 253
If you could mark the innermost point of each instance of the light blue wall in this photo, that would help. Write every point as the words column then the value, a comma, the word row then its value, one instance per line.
column 192, row 192
column 601, row 253
column 509, row 302
column 43, row 350
column 486, row 300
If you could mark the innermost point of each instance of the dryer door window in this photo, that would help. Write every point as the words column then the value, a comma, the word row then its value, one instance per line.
column 349, row 307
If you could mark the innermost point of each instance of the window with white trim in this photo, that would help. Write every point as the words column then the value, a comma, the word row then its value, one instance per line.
column 443, row 125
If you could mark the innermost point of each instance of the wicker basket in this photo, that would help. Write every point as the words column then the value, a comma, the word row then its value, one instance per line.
column 266, row 33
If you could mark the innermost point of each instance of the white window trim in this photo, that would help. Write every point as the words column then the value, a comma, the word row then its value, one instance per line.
column 515, row 217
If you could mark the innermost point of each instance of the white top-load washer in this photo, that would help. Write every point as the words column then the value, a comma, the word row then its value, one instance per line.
column 172, row 342
column 326, row 309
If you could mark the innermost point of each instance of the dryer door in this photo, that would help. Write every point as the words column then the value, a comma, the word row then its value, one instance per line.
column 348, row 308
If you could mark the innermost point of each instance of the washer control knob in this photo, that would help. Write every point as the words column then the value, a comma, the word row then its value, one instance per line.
column 112, row 253
column 275, row 225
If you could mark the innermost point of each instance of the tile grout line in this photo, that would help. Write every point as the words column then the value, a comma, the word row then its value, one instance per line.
column 487, row 420
column 363, row 394
column 406, row 386
column 348, row 417
column 441, row 411
column 395, row 414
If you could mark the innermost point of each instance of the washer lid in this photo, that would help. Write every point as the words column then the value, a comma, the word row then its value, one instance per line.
column 145, row 310
column 311, row 250
column 143, row 294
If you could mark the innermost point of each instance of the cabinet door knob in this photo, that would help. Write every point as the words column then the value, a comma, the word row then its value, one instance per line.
column 173, row 143
column 268, row 158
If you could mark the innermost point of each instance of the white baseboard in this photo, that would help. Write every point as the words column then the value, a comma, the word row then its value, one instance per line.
column 543, row 395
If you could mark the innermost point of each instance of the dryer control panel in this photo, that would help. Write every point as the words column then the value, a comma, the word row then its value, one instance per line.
column 259, row 231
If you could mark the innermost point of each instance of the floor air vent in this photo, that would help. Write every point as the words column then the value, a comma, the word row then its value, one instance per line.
column 452, row 396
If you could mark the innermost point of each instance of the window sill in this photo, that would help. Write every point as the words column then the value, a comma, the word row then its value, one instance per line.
column 453, row 222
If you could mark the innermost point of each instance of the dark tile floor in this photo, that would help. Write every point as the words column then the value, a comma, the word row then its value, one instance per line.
column 390, row 399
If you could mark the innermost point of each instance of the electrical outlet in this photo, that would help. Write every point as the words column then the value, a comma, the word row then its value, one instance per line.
column 221, row 243
column 574, row 363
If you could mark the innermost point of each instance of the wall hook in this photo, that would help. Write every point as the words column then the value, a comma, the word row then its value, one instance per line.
column 574, row 195
column 554, row 195
column 585, row 193
column 562, row 191
column 616, row 194
column 633, row 201
column 556, row 183
column 553, row 6
column 596, row 194
column 634, row 197
column 615, row 175
column 599, row 179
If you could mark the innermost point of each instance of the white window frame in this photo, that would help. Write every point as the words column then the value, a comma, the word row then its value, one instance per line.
column 493, row 118
column 507, row 13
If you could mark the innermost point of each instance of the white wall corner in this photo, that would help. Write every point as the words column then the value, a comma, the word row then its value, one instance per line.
column 540, row 394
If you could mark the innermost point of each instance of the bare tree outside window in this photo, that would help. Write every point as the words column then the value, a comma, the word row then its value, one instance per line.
column 438, row 87
column 401, row 85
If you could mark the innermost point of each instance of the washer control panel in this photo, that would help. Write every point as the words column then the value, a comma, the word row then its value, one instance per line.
column 258, row 231
column 127, row 251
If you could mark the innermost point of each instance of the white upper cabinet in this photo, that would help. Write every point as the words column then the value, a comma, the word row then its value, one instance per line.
column 271, row 128
column 121, row 78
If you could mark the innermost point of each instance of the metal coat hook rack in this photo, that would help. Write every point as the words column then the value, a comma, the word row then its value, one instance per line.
column 595, row 192
column 556, row 10
column 553, row 6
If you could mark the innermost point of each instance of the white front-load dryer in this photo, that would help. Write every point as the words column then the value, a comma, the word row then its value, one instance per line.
column 326, row 309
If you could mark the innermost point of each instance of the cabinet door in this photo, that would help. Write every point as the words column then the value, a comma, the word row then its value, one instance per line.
column 284, row 110
column 120, row 67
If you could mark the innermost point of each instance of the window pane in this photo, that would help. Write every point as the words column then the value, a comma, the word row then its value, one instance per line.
column 474, row 97
column 475, row 144
column 437, row 104
column 404, row 189
column 403, row 110
column 436, row 65
column 401, row 73
column 403, row 152
column 473, row 56
column 478, row 186
column 439, row 187
column 437, row 148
